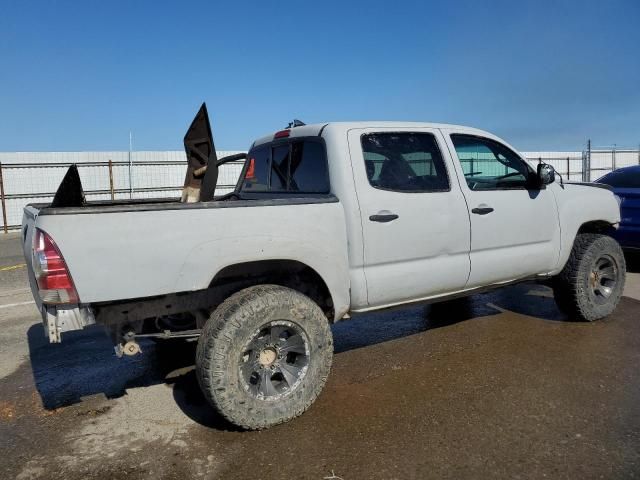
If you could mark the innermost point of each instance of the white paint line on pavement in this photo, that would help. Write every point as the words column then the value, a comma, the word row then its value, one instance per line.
column 9, row 305
column 10, row 293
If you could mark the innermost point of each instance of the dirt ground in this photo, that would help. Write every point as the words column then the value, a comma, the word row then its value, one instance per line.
column 498, row 386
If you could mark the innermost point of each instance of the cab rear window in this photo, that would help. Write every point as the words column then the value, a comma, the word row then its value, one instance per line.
column 256, row 177
column 297, row 166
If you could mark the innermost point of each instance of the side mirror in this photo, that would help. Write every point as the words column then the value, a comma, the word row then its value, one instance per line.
column 546, row 173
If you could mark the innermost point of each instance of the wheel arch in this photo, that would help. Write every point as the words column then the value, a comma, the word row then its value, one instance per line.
column 596, row 226
column 284, row 272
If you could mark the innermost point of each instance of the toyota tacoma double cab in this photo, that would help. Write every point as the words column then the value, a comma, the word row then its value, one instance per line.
column 327, row 221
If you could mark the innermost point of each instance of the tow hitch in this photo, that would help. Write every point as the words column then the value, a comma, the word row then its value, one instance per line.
column 131, row 347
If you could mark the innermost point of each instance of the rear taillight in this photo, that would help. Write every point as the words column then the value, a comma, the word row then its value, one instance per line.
column 55, row 284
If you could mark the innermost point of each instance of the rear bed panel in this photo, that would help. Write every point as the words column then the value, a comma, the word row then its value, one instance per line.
column 141, row 252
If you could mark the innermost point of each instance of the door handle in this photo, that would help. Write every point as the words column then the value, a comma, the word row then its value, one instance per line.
column 383, row 217
column 482, row 210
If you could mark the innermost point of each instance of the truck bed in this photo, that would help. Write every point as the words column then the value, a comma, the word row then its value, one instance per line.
column 144, row 248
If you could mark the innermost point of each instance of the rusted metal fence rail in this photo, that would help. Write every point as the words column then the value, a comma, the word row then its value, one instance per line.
column 602, row 160
column 570, row 167
column 27, row 182
column 24, row 183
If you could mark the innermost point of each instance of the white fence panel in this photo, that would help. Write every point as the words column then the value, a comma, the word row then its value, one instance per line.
column 33, row 177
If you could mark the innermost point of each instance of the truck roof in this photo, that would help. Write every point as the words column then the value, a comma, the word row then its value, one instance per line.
column 315, row 129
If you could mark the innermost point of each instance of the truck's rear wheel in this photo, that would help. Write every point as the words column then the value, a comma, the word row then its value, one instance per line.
column 264, row 356
column 591, row 283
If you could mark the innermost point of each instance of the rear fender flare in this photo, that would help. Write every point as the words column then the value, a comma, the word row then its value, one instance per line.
column 333, row 270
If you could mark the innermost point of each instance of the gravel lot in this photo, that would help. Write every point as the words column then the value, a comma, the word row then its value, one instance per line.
column 499, row 386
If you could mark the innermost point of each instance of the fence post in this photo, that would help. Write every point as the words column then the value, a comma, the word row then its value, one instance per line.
column 613, row 157
column 111, row 179
column 5, row 227
column 130, row 164
column 568, row 169
column 586, row 165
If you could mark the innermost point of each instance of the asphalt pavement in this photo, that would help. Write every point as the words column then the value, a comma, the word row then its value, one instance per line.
column 497, row 386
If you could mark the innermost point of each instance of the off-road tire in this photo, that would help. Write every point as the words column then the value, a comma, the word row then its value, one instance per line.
column 225, row 335
column 572, row 287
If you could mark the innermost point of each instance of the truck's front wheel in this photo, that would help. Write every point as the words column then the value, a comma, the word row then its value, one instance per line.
column 591, row 283
column 264, row 356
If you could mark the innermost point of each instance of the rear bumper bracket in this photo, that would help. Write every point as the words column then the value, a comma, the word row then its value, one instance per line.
column 58, row 319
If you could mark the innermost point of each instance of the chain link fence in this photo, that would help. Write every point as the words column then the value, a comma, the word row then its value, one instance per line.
column 601, row 160
column 34, row 177
column 568, row 164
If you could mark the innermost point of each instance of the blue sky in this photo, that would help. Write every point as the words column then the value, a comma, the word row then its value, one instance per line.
column 542, row 74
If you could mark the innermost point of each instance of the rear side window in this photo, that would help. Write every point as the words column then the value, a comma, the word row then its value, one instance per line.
column 404, row 162
column 308, row 169
column 622, row 179
column 298, row 166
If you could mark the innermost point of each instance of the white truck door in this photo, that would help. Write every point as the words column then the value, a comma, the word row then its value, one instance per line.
column 415, row 220
column 515, row 230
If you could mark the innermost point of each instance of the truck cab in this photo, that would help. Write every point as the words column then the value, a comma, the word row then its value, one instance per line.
column 434, row 210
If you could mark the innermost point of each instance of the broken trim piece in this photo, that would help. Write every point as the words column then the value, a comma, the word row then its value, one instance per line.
column 200, row 182
column 70, row 192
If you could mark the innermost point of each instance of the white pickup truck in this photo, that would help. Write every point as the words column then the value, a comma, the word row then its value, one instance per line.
column 327, row 221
